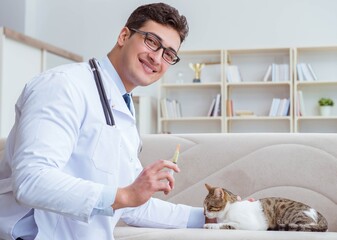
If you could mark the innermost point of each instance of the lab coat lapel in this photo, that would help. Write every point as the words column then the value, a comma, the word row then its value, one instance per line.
column 117, row 102
column 115, row 97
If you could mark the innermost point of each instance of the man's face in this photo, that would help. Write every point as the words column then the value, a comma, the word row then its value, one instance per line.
column 140, row 65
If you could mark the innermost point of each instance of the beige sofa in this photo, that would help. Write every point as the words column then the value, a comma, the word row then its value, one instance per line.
column 302, row 167
column 298, row 166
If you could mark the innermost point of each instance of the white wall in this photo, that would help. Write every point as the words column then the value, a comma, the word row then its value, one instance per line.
column 90, row 27
column 12, row 14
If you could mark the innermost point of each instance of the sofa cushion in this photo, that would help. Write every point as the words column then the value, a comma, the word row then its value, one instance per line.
column 133, row 233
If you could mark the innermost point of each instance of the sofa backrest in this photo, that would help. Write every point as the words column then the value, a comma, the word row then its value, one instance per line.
column 302, row 167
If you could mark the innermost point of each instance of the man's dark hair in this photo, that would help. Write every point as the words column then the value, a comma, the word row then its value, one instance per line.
column 160, row 13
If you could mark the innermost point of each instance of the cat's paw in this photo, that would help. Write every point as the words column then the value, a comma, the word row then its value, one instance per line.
column 225, row 226
column 212, row 226
column 218, row 226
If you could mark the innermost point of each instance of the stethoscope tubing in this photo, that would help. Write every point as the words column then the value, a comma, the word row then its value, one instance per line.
column 101, row 91
column 104, row 100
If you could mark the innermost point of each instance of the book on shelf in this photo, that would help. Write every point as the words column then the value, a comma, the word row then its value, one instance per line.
column 233, row 74
column 244, row 113
column 229, row 107
column 312, row 72
column 211, row 108
column 280, row 72
column 285, row 72
column 305, row 72
column 274, row 106
column 279, row 107
column 170, row 108
column 286, row 108
column 283, row 107
column 163, row 107
column 300, row 108
column 215, row 107
column 300, row 76
column 177, row 108
column 267, row 75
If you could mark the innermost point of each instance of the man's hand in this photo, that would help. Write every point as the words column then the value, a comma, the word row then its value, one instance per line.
column 152, row 179
column 210, row 220
column 249, row 199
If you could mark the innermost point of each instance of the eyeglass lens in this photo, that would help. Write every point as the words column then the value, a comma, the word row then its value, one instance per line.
column 154, row 43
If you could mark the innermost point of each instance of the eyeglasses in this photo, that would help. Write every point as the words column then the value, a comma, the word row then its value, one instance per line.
column 154, row 43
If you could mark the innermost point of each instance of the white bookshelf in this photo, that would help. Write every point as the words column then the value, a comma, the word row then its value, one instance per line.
column 194, row 98
column 323, row 61
column 252, row 93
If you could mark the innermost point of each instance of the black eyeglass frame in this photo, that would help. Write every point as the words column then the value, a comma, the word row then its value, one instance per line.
column 165, row 49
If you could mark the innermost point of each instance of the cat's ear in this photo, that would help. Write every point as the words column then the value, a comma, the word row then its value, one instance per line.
column 218, row 193
column 209, row 187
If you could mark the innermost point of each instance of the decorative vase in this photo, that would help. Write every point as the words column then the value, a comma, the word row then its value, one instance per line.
column 325, row 110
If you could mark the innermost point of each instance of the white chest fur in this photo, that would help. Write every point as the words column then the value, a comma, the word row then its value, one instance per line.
column 243, row 215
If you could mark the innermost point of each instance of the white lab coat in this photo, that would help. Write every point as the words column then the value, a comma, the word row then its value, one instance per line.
column 62, row 154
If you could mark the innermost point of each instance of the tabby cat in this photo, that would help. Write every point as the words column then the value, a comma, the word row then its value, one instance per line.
column 270, row 213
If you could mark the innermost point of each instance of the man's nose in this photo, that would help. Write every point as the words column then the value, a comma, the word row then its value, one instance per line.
column 156, row 56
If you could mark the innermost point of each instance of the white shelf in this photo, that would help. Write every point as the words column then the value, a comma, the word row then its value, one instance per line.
column 245, row 84
column 265, row 118
column 184, row 119
column 316, row 83
column 191, row 125
column 317, row 118
column 191, row 85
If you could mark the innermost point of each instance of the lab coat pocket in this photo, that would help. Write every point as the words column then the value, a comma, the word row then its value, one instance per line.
column 106, row 156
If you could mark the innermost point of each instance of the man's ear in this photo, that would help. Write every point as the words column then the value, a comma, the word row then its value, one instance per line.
column 123, row 36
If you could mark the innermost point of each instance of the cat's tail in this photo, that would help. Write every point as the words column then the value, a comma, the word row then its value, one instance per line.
column 322, row 222
column 303, row 227
column 320, row 226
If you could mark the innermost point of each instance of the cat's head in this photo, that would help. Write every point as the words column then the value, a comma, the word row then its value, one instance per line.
column 216, row 201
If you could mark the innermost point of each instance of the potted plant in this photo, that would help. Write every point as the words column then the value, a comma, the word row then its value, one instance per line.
column 325, row 106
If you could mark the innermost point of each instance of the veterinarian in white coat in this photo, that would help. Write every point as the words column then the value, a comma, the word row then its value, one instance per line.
column 67, row 174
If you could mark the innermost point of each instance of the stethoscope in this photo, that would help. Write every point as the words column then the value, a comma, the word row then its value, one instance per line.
column 109, row 118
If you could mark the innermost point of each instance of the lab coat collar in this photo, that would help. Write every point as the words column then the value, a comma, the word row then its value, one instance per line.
column 111, row 71
column 116, row 87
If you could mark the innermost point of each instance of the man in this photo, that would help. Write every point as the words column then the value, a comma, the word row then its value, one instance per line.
column 73, row 166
